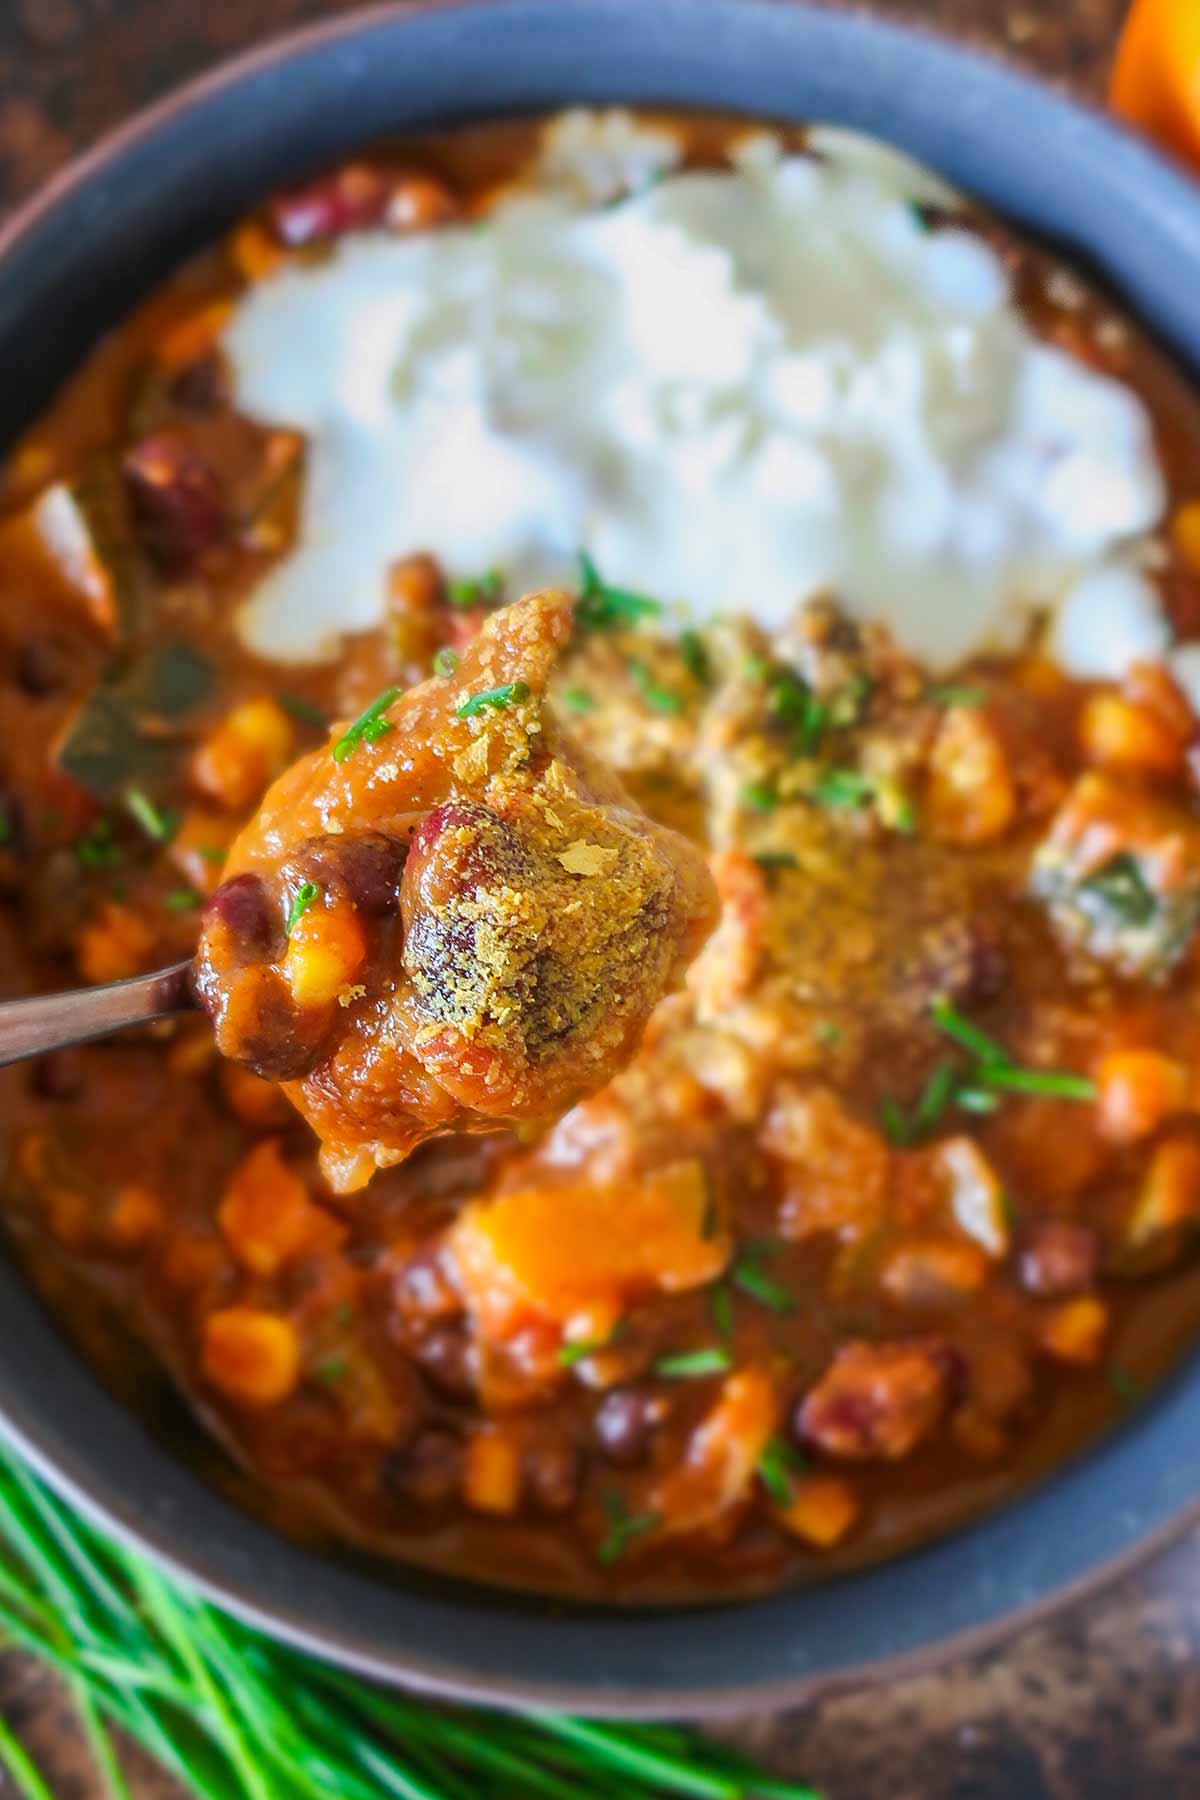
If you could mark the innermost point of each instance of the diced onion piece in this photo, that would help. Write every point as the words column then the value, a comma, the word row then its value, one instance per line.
column 822, row 1510
column 976, row 1195
column 1169, row 1195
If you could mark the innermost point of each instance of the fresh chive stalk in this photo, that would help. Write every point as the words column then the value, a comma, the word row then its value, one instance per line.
column 493, row 699
column 368, row 728
column 233, row 1716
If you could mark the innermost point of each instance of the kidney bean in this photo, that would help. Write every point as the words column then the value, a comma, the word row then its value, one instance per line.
column 554, row 1476
column 352, row 198
column 176, row 503
column 1058, row 1257
column 625, row 1423
column 446, row 1363
column 366, row 869
column 244, row 907
column 876, row 1400
column 427, row 1471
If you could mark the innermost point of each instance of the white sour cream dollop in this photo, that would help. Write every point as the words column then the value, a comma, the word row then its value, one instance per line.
column 735, row 388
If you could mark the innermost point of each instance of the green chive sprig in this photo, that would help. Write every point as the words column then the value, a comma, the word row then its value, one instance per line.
column 494, row 699
column 306, row 894
column 368, row 728
column 233, row 1716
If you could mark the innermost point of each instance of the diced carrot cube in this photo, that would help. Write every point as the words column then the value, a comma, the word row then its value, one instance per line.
column 114, row 945
column 1121, row 735
column 193, row 335
column 251, row 1355
column 266, row 1215
column 492, row 1478
column 970, row 797
column 246, row 751
column 1074, row 1332
column 136, row 1216
column 552, row 1252
column 326, row 950
column 1170, row 1193
column 822, row 1509
column 1135, row 1091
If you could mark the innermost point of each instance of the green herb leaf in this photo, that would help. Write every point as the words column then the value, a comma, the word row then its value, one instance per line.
column 954, row 1024
column 949, row 695
column 369, row 726
column 935, row 1098
column 602, row 607
column 623, row 1527
column 695, row 657
column 485, row 590
column 181, row 900
column 306, row 893
column 1052, row 1083
column 96, row 849
column 976, row 1099
column 214, row 854
column 571, row 1353
column 693, row 1365
column 445, row 662
column 661, row 699
column 303, row 710
column 512, row 693
column 331, row 1370
column 777, row 1466
column 842, row 789
column 759, row 796
column 893, row 1119
column 578, row 700
column 116, row 741
column 775, row 859
column 748, row 1275
column 721, row 1306
column 1121, row 884
column 827, row 1032
column 850, row 702
column 157, row 822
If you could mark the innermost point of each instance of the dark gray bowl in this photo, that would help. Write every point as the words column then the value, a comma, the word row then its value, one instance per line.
column 71, row 264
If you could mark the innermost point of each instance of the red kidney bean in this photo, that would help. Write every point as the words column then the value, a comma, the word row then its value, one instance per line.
column 243, row 905
column 1058, row 1257
column 177, row 506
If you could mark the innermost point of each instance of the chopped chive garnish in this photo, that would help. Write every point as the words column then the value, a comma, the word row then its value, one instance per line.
column 212, row 853
column 896, row 1128
column 757, row 668
column 661, row 699
column 623, row 1527
column 306, row 893
column 601, row 607
column 1054, row 1083
column 843, row 789
column 777, row 1465
column 748, row 1275
column 1123, row 886
column 445, row 662
column 157, row 822
column 182, row 900
column 578, row 700
column 849, row 703
column 331, row 1370
column 695, row 657
column 692, row 1365
column 497, row 698
column 955, row 1025
column 721, row 1306
column 6, row 829
column 343, row 1314
column 484, row 590
column 759, row 796
column 572, row 1353
column 950, row 695
column 304, row 711
column 935, row 1097
column 775, row 859
column 827, row 1032
column 96, row 849
column 368, row 728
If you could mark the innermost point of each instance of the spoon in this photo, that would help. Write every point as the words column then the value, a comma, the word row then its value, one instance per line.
column 53, row 1021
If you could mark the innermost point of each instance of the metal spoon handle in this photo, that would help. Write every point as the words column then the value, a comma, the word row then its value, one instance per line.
column 52, row 1021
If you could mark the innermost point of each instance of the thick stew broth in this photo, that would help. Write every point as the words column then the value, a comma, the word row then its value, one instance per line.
column 895, row 1206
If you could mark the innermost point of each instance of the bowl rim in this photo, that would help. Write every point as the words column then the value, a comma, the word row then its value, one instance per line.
column 75, row 1456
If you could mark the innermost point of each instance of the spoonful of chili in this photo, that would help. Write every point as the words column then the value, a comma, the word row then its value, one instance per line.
column 449, row 918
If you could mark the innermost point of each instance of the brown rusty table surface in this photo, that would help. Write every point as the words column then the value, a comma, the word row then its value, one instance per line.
column 1102, row 1702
